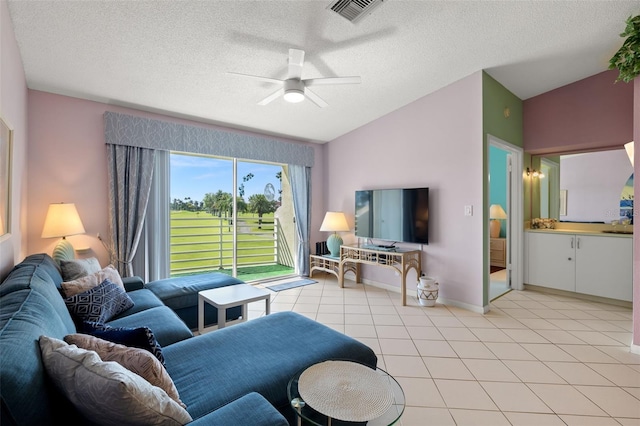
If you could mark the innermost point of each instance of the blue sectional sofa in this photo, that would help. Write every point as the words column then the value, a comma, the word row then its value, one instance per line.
column 237, row 375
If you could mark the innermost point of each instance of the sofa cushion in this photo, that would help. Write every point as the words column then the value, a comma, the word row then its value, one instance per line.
column 138, row 361
column 236, row 413
column 45, row 263
column 80, row 285
column 164, row 323
column 72, row 269
column 182, row 292
column 105, row 392
column 260, row 355
column 100, row 303
column 181, row 295
column 27, row 395
column 138, row 337
column 142, row 300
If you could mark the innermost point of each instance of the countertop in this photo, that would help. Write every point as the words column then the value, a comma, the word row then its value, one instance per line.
column 597, row 233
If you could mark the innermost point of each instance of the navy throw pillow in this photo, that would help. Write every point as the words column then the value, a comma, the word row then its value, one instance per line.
column 99, row 304
column 139, row 337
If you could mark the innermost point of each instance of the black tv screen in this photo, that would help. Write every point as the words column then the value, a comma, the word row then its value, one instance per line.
column 393, row 215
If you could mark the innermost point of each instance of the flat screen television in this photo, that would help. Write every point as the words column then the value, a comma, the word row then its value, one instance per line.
column 393, row 215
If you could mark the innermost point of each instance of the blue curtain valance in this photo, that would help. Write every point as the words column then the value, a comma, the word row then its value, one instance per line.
column 123, row 129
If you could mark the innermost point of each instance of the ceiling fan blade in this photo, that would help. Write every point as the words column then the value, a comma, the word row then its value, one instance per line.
column 315, row 98
column 331, row 80
column 257, row 77
column 296, row 60
column 272, row 96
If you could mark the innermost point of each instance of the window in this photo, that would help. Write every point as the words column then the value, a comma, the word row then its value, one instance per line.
column 205, row 235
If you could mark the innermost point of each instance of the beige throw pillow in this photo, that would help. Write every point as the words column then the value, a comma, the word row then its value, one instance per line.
column 106, row 393
column 71, row 288
column 72, row 269
column 138, row 361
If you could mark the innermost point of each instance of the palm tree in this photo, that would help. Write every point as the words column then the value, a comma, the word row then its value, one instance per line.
column 258, row 203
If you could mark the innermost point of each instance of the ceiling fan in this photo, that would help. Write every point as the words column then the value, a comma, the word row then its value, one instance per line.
column 294, row 89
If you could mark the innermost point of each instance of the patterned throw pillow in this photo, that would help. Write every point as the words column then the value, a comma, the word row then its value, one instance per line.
column 139, row 337
column 71, row 288
column 106, row 393
column 100, row 303
column 73, row 269
column 138, row 361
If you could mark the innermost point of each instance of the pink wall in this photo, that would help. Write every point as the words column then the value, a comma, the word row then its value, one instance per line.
column 13, row 109
column 437, row 142
column 593, row 113
column 68, row 163
column 636, row 236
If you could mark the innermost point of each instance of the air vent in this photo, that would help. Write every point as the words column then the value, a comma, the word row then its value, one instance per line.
column 354, row 10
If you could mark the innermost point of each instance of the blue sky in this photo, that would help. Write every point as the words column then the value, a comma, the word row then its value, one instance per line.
column 193, row 176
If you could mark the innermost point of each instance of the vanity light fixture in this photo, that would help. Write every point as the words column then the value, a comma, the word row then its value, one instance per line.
column 629, row 148
column 534, row 173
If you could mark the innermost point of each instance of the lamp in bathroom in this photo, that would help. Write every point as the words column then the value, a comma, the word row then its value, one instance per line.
column 62, row 220
column 496, row 214
column 334, row 222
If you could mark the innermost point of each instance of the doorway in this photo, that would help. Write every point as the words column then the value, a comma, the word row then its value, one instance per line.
column 506, row 211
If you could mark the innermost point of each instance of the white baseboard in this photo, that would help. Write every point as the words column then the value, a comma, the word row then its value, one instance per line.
column 465, row 306
column 441, row 300
column 384, row 286
column 635, row 349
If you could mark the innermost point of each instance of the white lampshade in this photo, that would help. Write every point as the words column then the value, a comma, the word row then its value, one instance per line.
column 497, row 212
column 334, row 222
column 629, row 148
column 62, row 220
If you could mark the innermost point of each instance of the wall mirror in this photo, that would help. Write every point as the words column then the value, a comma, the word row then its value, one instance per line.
column 592, row 187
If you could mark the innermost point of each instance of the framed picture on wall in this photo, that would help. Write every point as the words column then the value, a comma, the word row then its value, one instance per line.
column 6, row 139
column 563, row 202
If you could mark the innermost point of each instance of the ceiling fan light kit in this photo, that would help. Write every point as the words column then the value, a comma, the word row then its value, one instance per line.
column 294, row 89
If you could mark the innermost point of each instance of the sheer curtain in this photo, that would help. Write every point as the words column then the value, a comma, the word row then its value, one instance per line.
column 152, row 260
column 130, row 170
column 301, row 189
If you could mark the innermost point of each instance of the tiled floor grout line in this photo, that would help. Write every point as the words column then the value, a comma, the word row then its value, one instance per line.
column 587, row 374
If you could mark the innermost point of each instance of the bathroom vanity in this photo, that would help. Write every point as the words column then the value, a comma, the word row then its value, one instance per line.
column 593, row 262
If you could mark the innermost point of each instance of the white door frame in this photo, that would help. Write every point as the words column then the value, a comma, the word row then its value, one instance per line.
column 515, row 233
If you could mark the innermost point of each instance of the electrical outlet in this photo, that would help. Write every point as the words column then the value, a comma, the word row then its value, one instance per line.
column 468, row 210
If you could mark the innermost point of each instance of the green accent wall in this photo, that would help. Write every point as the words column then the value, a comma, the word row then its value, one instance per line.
column 495, row 99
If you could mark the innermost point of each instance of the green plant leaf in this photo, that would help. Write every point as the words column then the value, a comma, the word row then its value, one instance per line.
column 627, row 59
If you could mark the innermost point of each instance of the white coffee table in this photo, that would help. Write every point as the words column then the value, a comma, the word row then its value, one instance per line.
column 228, row 297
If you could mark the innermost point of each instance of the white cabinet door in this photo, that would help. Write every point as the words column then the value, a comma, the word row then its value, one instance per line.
column 551, row 259
column 604, row 266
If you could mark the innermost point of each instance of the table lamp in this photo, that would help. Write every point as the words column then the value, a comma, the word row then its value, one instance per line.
column 496, row 213
column 334, row 222
column 62, row 220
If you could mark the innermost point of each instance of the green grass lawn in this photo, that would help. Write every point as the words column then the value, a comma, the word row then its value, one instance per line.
column 201, row 242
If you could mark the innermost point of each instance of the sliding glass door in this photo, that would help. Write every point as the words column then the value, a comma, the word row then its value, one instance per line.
column 252, row 241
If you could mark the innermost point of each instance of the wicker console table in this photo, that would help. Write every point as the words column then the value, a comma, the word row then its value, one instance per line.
column 331, row 265
column 398, row 259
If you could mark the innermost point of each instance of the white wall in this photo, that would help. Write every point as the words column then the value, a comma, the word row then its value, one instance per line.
column 594, row 183
column 434, row 142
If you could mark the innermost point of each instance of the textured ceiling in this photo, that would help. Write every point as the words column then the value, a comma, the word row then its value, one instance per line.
column 173, row 56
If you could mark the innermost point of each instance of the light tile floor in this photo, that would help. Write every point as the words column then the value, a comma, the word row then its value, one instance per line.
column 534, row 359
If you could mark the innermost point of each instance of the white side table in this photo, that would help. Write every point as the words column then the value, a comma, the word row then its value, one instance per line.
column 229, row 296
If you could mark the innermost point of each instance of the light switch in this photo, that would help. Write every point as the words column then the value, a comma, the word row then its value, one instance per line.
column 468, row 210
